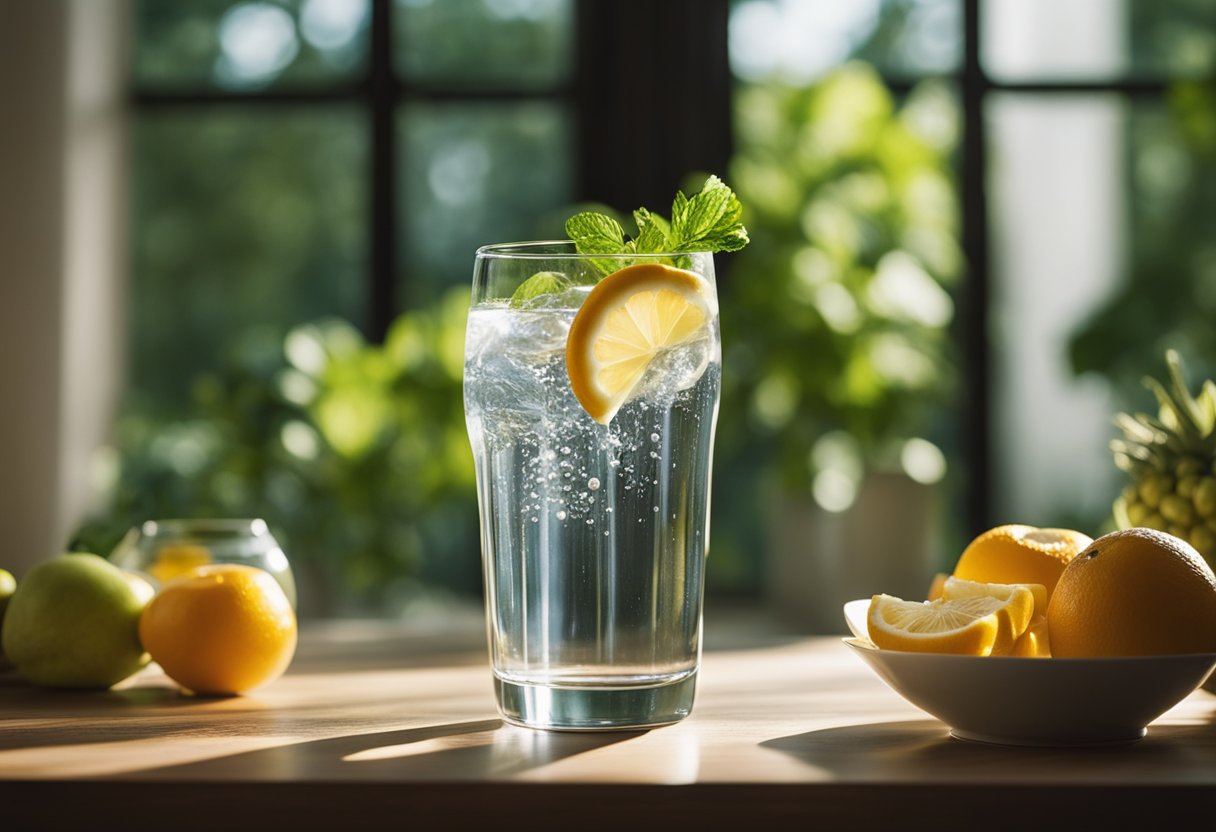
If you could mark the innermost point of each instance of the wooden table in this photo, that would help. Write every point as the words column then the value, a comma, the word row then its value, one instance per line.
column 379, row 726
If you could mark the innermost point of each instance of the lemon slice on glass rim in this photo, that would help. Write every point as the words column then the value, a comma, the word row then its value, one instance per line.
column 630, row 319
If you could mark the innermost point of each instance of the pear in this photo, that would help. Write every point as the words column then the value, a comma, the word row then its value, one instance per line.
column 73, row 622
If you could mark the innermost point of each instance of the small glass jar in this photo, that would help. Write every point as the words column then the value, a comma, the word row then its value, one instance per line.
column 163, row 549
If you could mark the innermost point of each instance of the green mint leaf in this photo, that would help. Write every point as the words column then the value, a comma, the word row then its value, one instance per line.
column 653, row 233
column 679, row 211
column 538, row 285
column 595, row 233
column 709, row 221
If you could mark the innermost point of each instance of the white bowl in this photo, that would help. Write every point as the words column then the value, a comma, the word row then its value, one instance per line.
column 1043, row 701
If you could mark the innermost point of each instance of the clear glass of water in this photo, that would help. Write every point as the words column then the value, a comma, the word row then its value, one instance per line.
column 594, row 536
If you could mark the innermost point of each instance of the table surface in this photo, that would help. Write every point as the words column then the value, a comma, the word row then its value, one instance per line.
column 387, row 723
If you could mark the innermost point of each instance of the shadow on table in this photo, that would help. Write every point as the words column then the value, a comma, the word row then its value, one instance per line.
column 141, row 711
column 924, row 748
column 457, row 751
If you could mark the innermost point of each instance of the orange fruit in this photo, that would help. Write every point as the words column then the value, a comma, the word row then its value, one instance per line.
column 1017, row 554
column 628, row 320
column 1134, row 592
column 220, row 629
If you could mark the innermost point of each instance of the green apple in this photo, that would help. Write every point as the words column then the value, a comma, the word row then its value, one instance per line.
column 8, row 584
column 74, row 622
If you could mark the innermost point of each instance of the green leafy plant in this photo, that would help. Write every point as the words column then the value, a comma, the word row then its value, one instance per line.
column 355, row 454
column 836, row 318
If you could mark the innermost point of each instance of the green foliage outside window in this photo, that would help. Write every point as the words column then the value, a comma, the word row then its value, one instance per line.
column 840, row 309
column 355, row 453
column 836, row 319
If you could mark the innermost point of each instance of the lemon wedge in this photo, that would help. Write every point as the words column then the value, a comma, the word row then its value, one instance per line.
column 629, row 319
column 1022, row 603
column 1034, row 643
column 967, row 626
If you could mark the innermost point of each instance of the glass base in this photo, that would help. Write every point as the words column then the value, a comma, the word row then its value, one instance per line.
column 595, row 708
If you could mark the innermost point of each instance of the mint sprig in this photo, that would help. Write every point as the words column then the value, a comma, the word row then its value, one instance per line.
column 708, row 221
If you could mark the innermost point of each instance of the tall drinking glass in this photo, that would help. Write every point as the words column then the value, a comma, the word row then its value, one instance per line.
column 594, row 536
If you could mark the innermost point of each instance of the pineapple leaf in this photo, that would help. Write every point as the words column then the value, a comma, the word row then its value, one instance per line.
column 1130, row 450
column 1134, row 429
column 1207, row 400
column 1175, row 420
column 1183, row 401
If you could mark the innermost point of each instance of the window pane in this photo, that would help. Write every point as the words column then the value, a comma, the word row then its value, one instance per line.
column 240, row 220
column 799, row 40
column 485, row 43
column 1102, row 257
column 473, row 175
column 248, row 45
column 1098, row 39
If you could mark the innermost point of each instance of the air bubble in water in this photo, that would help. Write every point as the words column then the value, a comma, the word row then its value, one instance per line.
column 590, row 521
column 654, row 437
column 561, row 515
column 593, row 484
column 565, row 449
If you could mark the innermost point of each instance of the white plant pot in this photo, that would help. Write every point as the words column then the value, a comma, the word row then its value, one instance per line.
column 886, row 542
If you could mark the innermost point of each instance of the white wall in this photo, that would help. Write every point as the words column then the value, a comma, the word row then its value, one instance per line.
column 60, row 240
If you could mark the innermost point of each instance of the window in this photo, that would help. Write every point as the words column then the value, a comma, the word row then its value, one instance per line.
column 310, row 179
column 298, row 162
column 1084, row 182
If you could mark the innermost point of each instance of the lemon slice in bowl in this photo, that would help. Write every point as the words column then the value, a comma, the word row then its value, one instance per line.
column 971, row 626
column 1026, row 603
column 631, row 318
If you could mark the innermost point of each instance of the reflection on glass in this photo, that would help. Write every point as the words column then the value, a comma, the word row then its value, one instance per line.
column 473, row 173
column 495, row 43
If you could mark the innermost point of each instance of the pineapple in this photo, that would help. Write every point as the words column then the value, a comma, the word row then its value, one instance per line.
column 1171, row 460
